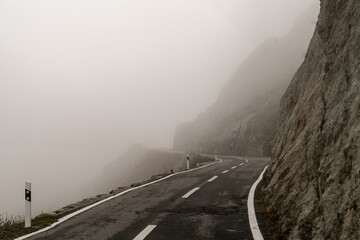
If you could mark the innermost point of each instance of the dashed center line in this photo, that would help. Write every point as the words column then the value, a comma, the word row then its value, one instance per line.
column 145, row 232
column 190, row 192
column 241, row 164
column 212, row 179
column 225, row 171
column 233, row 167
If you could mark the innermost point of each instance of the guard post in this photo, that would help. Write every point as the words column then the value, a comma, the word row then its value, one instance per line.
column 27, row 204
column 187, row 162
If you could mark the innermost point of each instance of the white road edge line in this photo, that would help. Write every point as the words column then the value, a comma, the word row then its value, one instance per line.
column 212, row 179
column 67, row 217
column 233, row 167
column 145, row 232
column 255, row 230
column 225, row 171
column 190, row 192
column 241, row 164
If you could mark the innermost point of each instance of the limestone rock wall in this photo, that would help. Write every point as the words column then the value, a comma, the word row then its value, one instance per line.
column 313, row 182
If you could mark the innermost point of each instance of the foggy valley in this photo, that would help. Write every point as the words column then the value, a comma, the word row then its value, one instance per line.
column 102, row 97
column 82, row 82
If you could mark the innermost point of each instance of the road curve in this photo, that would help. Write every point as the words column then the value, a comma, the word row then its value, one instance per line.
column 209, row 203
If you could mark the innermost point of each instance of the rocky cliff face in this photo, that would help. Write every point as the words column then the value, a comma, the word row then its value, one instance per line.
column 248, row 131
column 312, row 185
column 243, row 120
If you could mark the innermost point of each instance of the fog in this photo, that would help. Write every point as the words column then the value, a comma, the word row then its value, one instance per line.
column 82, row 81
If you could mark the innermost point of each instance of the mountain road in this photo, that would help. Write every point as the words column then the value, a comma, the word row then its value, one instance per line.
column 207, row 203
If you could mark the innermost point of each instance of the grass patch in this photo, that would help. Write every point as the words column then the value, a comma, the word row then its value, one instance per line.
column 11, row 231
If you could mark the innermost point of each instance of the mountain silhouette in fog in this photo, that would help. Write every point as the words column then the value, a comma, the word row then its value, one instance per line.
column 244, row 118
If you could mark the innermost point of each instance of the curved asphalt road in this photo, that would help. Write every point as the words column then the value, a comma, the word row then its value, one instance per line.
column 217, row 210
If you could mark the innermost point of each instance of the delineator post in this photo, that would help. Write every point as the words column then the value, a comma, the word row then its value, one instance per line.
column 27, row 204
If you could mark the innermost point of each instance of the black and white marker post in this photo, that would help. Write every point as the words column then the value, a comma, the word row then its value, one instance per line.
column 187, row 162
column 27, row 204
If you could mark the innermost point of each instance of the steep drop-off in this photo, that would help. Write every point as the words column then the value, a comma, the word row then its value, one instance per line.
column 243, row 120
column 312, row 186
column 136, row 165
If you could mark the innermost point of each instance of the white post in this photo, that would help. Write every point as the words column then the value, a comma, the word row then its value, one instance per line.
column 187, row 162
column 27, row 204
column 216, row 158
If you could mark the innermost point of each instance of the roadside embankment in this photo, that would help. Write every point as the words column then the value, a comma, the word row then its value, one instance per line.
column 11, row 231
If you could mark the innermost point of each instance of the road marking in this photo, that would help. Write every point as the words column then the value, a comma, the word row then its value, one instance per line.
column 255, row 230
column 225, row 171
column 241, row 164
column 246, row 161
column 145, row 232
column 190, row 192
column 212, row 179
column 71, row 215
column 233, row 167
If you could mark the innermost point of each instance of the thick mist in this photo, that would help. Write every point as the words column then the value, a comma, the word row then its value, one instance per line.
column 81, row 81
